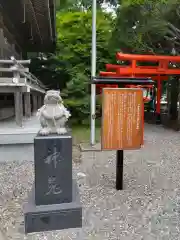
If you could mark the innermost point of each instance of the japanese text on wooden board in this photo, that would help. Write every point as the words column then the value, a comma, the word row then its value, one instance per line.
column 122, row 118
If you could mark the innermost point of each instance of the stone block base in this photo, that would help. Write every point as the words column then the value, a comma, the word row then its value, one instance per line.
column 53, row 217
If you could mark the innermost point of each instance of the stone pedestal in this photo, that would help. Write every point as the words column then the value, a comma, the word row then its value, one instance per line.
column 54, row 202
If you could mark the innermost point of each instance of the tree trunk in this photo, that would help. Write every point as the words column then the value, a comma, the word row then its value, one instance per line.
column 174, row 98
column 169, row 99
column 179, row 105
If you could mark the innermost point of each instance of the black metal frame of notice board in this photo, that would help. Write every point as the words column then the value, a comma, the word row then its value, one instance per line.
column 120, row 81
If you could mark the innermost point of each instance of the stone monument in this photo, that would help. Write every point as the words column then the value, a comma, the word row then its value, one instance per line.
column 54, row 202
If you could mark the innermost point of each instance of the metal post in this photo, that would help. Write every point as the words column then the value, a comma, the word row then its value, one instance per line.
column 119, row 169
column 93, row 73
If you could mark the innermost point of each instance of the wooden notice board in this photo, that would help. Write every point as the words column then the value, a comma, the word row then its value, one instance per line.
column 122, row 119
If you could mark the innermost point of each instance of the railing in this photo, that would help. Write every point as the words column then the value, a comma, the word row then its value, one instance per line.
column 19, row 71
column 24, row 72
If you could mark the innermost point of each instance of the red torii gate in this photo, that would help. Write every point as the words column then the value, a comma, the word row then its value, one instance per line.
column 158, row 73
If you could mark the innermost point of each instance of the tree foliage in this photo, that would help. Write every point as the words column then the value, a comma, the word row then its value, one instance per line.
column 74, row 5
column 151, row 26
column 74, row 48
column 70, row 67
column 141, row 26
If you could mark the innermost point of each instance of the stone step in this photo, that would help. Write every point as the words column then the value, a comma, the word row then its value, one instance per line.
column 17, row 153
column 17, row 137
column 10, row 133
column 17, row 143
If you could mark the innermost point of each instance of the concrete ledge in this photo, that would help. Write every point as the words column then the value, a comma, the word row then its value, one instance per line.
column 17, row 137
column 17, row 153
column 11, row 134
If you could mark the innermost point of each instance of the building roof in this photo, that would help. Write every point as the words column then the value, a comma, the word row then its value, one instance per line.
column 32, row 22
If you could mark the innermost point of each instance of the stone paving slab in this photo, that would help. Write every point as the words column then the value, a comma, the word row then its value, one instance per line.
column 148, row 208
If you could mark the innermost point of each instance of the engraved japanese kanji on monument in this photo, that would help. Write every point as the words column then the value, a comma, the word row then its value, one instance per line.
column 53, row 170
column 54, row 202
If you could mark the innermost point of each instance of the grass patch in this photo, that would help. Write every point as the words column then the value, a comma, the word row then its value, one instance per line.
column 81, row 134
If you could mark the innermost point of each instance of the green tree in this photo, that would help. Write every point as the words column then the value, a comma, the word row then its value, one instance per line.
column 74, row 48
column 141, row 26
column 150, row 26
column 64, row 5
column 70, row 67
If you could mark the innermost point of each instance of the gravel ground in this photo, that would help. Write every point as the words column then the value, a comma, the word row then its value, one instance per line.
column 148, row 208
